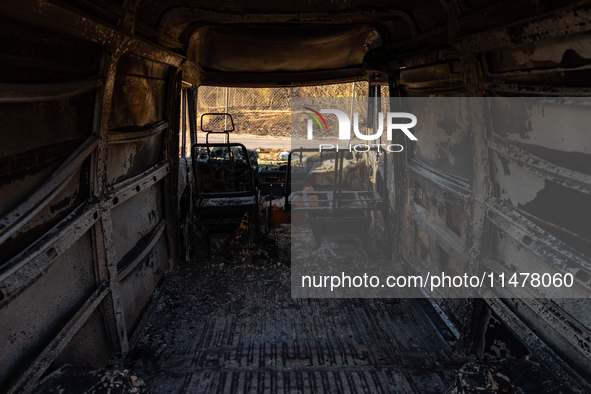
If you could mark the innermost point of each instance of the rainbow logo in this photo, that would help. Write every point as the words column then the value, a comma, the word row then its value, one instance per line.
column 316, row 118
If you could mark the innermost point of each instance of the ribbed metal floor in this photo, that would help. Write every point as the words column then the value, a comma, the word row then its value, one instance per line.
column 234, row 329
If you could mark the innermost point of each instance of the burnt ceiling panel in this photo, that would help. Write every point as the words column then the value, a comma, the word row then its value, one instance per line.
column 272, row 48
column 426, row 12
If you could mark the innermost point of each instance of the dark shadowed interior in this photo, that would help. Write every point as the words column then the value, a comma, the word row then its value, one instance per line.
column 108, row 267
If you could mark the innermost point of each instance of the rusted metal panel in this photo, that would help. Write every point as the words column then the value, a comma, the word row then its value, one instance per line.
column 177, row 20
column 132, row 64
column 556, row 253
column 563, row 324
column 139, row 93
column 563, row 176
column 91, row 346
column 556, row 326
column 534, row 123
column 436, row 197
column 148, row 311
column 135, row 257
column 444, row 136
column 535, row 169
column 534, row 155
column 29, row 208
column 132, row 171
column 111, row 262
column 27, row 267
column 36, row 316
column 550, row 55
column 139, row 283
column 26, row 382
column 74, row 193
column 100, row 239
column 34, row 123
column 443, row 75
column 137, row 101
column 125, row 160
column 267, row 49
column 545, row 354
column 434, row 245
column 566, row 221
column 48, row 119
column 144, row 210
column 511, row 254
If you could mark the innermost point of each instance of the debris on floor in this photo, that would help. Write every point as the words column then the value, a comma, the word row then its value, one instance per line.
column 222, row 327
column 506, row 376
column 91, row 380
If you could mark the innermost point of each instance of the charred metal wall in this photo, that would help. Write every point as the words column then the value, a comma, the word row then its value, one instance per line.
column 88, row 162
column 476, row 197
column 88, row 168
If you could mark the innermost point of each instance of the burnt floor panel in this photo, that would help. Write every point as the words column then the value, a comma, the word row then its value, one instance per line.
column 221, row 328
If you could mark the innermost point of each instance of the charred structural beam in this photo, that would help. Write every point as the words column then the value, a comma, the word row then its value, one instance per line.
column 528, row 90
column 105, row 264
column 545, row 355
column 134, row 136
column 568, row 328
column 29, row 265
column 124, row 190
column 27, row 210
column 279, row 79
column 171, row 151
column 102, row 235
column 540, row 242
column 564, row 176
column 534, row 71
column 114, row 285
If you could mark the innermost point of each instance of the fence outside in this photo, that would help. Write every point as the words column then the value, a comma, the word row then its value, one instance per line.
column 266, row 111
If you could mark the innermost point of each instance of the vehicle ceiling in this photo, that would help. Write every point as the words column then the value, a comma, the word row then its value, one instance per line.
column 253, row 42
column 331, row 39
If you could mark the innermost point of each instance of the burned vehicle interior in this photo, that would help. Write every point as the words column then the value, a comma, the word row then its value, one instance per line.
column 145, row 248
